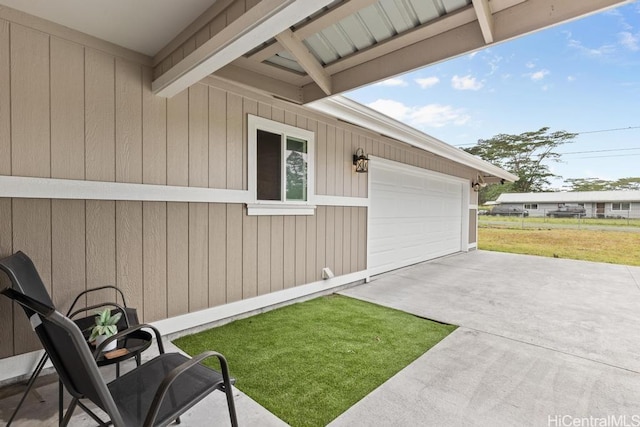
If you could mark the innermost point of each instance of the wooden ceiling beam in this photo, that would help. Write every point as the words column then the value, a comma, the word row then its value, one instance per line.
column 485, row 19
column 307, row 61
column 257, row 25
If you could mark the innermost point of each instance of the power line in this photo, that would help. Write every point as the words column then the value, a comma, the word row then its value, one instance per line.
column 601, row 157
column 577, row 133
column 607, row 130
column 600, row 151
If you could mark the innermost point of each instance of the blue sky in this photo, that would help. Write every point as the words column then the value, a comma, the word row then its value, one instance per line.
column 583, row 76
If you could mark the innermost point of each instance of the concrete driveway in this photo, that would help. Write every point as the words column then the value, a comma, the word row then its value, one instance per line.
column 542, row 341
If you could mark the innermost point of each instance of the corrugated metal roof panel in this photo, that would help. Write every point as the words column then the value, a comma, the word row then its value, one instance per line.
column 374, row 24
column 401, row 18
column 427, row 10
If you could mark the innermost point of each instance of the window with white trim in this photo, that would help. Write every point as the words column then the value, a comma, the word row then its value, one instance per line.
column 281, row 168
column 532, row 206
column 620, row 206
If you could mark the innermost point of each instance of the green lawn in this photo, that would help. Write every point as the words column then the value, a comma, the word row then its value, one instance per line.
column 309, row 362
column 616, row 247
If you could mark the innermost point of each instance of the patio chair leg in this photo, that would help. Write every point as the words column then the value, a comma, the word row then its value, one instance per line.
column 67, row 416
column 232, row 407
column 32, row 381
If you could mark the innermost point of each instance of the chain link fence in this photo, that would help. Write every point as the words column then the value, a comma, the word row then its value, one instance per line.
column 566, row 217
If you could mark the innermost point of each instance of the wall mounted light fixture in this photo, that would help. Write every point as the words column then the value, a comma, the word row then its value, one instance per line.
column 478, row 183
column 361, row 161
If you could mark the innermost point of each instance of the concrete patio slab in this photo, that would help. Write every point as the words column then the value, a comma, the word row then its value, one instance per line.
column 587, row 309
column 546, row 342
column 479, row 379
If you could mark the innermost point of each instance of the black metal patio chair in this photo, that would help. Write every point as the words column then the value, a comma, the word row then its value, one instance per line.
column 153, row 394
column 85, row 322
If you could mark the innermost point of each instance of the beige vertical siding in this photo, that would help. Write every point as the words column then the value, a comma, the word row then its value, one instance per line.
column 5, row 100
column 99, row 116
column 72, row 111
column 473, row 219
column 30, row 153
column 67, row 110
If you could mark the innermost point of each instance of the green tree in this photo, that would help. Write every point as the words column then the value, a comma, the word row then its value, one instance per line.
column 526, row 155
column 597, row 184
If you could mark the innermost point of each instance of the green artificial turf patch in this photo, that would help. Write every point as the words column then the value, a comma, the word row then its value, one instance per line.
column 309, row 362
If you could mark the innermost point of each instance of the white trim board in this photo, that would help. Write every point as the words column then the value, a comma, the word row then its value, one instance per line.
column 52, row 188
column 15, row 367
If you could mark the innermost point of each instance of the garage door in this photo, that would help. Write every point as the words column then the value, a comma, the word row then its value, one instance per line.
column 414, row 215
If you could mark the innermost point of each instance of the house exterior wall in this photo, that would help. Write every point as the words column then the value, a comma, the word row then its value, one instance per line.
column 73, row 108
column 590, row 209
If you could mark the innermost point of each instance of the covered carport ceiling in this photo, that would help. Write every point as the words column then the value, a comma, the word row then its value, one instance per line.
column 304, row 50
column 350, row 43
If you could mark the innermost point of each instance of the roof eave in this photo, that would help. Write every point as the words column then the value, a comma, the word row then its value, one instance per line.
column 363, row 116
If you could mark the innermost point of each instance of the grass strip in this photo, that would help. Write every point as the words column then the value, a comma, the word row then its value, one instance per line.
column 309, row 362
column 614, row 247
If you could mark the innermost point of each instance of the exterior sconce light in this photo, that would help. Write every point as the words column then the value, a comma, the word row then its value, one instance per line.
column 361, row 161
column 478, row 183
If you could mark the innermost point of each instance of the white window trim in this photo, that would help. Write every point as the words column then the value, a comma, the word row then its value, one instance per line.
column 524, row 206
column 268, row 207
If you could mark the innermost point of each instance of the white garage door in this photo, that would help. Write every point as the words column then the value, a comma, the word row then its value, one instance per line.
column 414, row 215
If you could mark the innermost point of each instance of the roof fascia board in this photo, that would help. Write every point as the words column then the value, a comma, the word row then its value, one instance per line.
column 362, row 116
column 260, row 23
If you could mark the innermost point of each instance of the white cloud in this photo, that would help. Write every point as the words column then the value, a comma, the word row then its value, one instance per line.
column 427, row 82
column 465, row 83
column 395, row 81
column 539, row 75
column 598, row 52
column 391, row 108
column 473, row 54
column 421, row 117
column 436, row 115
column 571, row 78
column 530, row 64
column 630, row 41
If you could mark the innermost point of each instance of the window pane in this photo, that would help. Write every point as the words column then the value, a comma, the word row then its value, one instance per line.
column 297, row 159
column 269, row 163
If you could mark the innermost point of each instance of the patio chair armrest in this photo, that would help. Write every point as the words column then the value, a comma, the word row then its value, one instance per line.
column 95, row 306
column 179, row 370
column 126, row 332
column 97, row 288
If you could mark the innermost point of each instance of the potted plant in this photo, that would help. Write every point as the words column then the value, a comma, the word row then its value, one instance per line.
column 104, row 328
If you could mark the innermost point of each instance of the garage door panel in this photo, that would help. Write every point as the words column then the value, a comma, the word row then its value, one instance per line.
column 414, row 215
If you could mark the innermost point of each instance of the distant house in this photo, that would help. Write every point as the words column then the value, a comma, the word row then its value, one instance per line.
column 597, row 204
